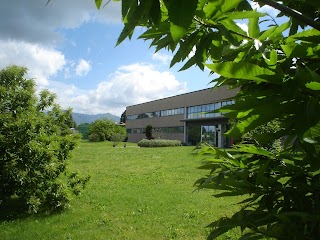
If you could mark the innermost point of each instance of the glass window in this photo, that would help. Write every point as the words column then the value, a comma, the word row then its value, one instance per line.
column 207, row 108
column 224, row 103
column 217, row 105
column 211, row 107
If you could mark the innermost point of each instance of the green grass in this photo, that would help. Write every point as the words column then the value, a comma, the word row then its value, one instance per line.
column 133, row 193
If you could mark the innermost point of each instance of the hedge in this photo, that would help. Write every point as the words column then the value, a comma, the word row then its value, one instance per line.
column 158, row 143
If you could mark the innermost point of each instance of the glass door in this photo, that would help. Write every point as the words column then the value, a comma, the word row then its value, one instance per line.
column 208, row 135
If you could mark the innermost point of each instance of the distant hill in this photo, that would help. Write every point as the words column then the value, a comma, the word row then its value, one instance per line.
column 89, row 118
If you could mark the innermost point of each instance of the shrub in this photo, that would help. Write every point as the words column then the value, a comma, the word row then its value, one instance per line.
column 159, row 143
column 117, row 137
column 104, row 129
column 149, row 132
column 35, row 145
column 94, row 137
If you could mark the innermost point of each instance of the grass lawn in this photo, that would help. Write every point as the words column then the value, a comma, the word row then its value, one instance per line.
column 133, row 193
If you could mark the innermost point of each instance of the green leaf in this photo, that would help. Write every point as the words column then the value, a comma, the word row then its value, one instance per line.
column 98, row 3
column 215, row 9
column 313, row 134
column 126, row 32
column 126, row 5
column 177, row 32
column 186, row 47
column 298, row 50
column 266, row 34
column 155, row 12
column 158, row 32
column 254, row 150
column 313, row 86
column 227, row 35
column 272, row 62
column 280, row 29
column 191, row 62
column 253, row 27
column 310, row 35
column 212, row 8
column 229, row 5
column 181, row 13
column 231, row 25
column 243, row 70
column 242, row 15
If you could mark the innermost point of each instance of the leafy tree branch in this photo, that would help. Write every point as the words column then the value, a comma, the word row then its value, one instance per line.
column 292, row 13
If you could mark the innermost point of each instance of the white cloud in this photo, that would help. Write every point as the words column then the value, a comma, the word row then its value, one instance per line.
column 34, row 21
column 29, row 32
column 42, row 62
column 83, row 68
column 162, row 57
column 265, row 9
column 131, row 84
column 244, row 27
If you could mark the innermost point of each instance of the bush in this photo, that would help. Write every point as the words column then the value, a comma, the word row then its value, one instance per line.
column 117, row 137
column 159, row 143
column 104, row 129
column 94, row 137
column 149, row 132
column 35, row 145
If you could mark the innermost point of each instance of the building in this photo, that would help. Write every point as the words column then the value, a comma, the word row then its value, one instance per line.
column 186, row 117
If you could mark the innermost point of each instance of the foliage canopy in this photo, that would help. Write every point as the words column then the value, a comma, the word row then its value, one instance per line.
column 275, row 65
column 103, row 129
column 35, row 145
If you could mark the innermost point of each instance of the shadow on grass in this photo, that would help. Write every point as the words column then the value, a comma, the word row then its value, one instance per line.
column 12, row 209
column 15, row 209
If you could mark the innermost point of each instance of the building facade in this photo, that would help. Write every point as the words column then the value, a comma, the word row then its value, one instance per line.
column 186, row 117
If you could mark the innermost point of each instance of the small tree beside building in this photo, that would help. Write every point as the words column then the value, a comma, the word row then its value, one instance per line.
column 149, row 132
column 105, row 129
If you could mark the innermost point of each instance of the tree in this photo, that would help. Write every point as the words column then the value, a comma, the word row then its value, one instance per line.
column 119, row 134
column 149, row 132
column 83, row 129
column 123, row 117
column 103, row 129
column 276, row 68
column 35, row 145
column 69, row 120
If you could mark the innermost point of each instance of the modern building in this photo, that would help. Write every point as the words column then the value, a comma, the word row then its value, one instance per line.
column 186, row 117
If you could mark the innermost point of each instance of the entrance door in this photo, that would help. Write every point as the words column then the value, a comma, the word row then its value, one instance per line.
column 208, row 135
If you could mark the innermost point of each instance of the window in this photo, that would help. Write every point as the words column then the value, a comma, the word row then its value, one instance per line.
column 205, row 111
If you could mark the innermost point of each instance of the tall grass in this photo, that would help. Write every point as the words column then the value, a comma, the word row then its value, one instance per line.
column 133, row 193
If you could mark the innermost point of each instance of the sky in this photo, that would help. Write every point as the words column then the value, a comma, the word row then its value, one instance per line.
column 69, row 48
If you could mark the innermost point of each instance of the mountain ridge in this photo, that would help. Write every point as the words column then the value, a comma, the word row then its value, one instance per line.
column 80, row 118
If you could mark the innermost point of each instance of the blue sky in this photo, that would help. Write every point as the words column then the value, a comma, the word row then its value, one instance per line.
column 69, row 48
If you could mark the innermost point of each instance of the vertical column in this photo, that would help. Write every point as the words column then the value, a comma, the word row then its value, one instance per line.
column 185, row 137
column 220, row 137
